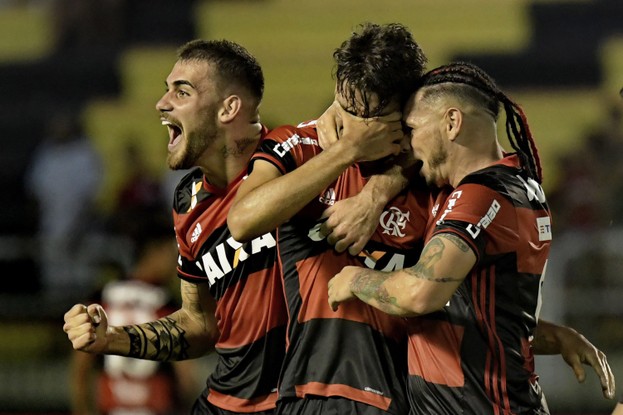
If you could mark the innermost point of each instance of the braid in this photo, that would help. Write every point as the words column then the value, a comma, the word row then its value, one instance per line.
column 489, row 96
column 521, row 139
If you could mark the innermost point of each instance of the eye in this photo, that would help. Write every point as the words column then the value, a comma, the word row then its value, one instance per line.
column 180, row 93
column 406, row 129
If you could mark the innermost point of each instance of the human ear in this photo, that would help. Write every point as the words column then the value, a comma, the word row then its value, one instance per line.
column 230, row 108
column 453, row 120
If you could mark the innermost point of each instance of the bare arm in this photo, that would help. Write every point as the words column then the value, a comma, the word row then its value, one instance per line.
column 421, row 289
column 351, row 222
column 253, row 212
column 576, row 350
column 187, row 333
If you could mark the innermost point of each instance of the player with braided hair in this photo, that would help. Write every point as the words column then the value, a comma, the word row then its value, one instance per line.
column 517, row 129
column 476, row 288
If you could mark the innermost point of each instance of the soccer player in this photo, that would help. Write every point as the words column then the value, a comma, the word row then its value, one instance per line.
column 353, row 361
column 476, row 288
column 232, row 297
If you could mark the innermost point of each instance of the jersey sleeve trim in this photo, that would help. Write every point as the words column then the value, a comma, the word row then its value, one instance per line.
column 269, row 158
column 455, row 228
column 190, row 277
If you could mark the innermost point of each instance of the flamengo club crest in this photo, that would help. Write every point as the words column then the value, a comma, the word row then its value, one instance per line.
column 394, row 221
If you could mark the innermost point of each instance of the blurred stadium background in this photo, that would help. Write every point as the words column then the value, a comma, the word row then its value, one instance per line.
column 561, row 59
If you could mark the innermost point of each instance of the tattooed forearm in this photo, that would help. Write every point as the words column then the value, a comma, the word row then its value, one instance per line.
column 431, row 255
column 162, row 340
column 368, row 286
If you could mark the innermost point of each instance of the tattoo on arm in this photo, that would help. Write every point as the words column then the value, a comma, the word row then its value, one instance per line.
column 432, row 255
column 368, row 286
column 162, row 340
column 457, row 241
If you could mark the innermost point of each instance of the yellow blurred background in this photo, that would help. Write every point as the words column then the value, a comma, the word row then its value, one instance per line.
column 294, row 41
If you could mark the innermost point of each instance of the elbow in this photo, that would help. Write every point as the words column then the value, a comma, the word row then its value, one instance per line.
column 240, row 228
column 238, row 232
column 419, row 306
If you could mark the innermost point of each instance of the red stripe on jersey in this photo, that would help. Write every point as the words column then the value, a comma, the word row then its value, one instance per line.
column 321, row 389
column 435, row 351
column 231, row 403
column 258, row 290
column 316, row 303
column 483, row 287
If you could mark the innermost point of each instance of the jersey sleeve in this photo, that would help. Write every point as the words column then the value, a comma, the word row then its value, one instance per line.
column 479, row 215
column 188, row 270
column 287, row 148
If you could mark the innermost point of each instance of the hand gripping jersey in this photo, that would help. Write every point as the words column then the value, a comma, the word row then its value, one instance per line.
column 358, row 353
column 246, row 284
column 474, row 356
column 129, row 385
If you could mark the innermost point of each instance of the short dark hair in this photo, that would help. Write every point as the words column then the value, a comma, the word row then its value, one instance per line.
column 382, row 60
column 232, row 63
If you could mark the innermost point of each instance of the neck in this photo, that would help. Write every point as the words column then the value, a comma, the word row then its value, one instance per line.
column 470, row 159
column 231, row 156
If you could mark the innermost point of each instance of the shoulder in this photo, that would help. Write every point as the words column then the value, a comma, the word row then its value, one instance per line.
column 291, row 132
column 188, row 187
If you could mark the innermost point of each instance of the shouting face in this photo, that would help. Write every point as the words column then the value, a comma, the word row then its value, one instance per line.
column 189, row 109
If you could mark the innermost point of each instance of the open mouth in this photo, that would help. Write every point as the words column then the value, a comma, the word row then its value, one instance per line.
column 175, row 132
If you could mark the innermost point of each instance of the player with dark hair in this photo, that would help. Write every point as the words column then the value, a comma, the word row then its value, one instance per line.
column 476, row 287
column 231, row 293
column 354, row 361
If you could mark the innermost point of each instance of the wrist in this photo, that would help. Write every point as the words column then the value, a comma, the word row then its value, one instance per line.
column 343, row 153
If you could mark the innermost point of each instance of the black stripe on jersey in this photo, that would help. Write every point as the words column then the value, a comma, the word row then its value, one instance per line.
column 219, row 257
column 242, row 372
column 270, row 147
column 457, row 227
column 182, row 198
column 353, row 362
column 505, row 181
column 438, row 399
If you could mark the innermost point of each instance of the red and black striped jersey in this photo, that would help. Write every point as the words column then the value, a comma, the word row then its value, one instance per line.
column 474, row 356
column 357, row 352
column 246, row 282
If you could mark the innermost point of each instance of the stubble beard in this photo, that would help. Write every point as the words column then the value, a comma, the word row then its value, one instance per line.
column 437, row 159
column 195, row 146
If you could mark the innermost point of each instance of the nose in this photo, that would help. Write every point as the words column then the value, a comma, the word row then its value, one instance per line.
column 163, row 103
column 405, row 143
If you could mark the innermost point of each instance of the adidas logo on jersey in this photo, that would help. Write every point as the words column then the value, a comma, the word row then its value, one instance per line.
column 196, row 233
column 328, row 198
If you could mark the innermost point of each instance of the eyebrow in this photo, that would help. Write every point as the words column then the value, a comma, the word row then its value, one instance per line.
column 179, row 83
